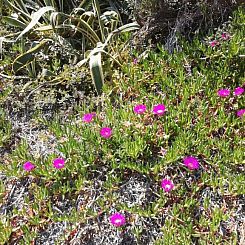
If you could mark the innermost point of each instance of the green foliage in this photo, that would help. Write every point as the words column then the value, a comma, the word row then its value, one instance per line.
column 28, row 56
column 197, row 122
column 96, row 71
column 95, row 56
column 48, row 22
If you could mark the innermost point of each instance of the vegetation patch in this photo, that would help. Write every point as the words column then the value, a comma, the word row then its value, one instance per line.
column 157, row 158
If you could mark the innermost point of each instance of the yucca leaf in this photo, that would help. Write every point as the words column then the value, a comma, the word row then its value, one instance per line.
column 54, row 19
column 95, row 57
column 21, row 5
column 50, row 3
column 87, row 14
column 78, row 10
column 109, row 16
column 20, row 11
column 96, row 6
column 96, row 71
column 128, row 27
column 84, row 3
column 35, row 18
column 89, row 32
column 14, row 22
column 24, row 59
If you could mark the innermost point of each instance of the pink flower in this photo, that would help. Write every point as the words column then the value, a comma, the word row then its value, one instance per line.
column 88, row 117
column 238, row 91
column 214, row 43
column 225, row 36
column 28, row 166
column 167, row 185
column 240, row 113
column 106, row 132
column 191, row 163
column 135, row 61
column 139, row 109
column 59, row 163
column 159, row 109
column 223, row 92
column 117, row 219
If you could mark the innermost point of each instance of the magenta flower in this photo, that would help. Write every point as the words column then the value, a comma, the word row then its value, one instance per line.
column 240, row 113
column 135, row 61
column 191, row 162
column 139, row 109
column 106, row 132
column 223, row 92
column 214, row 43
column 225, row 36
column 159, row 109
column 117, row 219
column 238, row 91
column 28, row 166
column 59, row 163
column 167, row 185
column 88, row 117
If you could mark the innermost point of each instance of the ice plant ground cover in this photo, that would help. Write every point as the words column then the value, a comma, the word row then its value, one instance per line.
column 170, row 171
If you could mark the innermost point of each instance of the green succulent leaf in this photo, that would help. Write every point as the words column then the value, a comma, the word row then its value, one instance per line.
column 14, row 22
column 87, row 31
column 26, row 58
column 21, row 11
column 96, row 71
column 35, row 19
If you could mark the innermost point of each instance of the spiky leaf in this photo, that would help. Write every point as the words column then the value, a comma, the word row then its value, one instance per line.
column 96, row 71
column 24, row 59
column 35, row 18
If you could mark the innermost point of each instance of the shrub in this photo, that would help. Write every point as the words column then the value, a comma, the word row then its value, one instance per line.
column 163, row 20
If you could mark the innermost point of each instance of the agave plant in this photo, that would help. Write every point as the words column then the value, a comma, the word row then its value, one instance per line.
column 95, row 56
column 43, row 22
